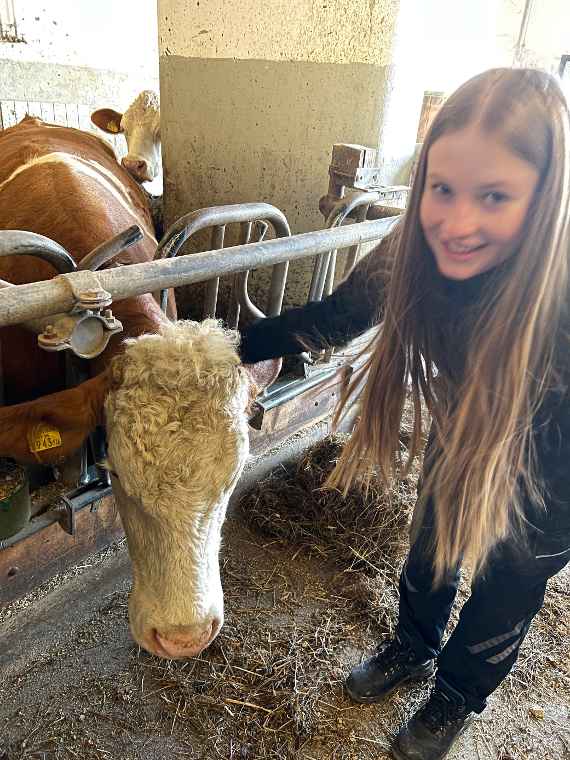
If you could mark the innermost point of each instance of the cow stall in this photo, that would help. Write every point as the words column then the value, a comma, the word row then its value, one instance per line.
column 82, row 519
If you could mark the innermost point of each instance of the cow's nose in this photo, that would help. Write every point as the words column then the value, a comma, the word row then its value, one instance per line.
column 184, row 642
column 137, row 167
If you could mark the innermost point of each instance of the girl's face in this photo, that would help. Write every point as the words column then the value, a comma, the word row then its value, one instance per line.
column 474, row 203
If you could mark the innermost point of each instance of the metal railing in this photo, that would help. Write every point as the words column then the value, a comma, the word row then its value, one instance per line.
column 250, row 216
column 322, row 281
column 40, row 299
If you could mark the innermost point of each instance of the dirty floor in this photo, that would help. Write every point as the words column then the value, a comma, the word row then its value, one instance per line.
column 73, row 685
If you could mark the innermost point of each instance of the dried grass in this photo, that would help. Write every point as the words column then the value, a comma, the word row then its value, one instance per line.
column 271, row 685
column 362, row 530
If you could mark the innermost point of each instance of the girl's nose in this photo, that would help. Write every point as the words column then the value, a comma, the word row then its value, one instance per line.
column 461, row 221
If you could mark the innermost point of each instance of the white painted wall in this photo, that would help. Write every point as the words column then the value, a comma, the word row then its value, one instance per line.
column 99, row 34
column 465, row 37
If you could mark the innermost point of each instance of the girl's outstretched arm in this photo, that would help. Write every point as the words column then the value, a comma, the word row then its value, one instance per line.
column 354, row 307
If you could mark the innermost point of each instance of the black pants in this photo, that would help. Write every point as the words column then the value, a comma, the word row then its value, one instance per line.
column 495, row 619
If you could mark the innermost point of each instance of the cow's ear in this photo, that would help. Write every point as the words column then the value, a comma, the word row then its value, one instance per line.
column 108, row 120
column 51, row 428
column 263, row 374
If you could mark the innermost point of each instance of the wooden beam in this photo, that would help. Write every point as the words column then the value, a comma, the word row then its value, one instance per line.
column 44, row 549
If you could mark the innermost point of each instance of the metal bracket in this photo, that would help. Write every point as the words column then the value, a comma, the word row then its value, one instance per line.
column 87, row 290
column 78, row 499
column 86, row 330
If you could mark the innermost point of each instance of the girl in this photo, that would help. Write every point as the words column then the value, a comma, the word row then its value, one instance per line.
column 472, row 287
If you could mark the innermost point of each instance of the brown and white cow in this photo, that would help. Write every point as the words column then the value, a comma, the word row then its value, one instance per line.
column 140, row 124
column 173, row 398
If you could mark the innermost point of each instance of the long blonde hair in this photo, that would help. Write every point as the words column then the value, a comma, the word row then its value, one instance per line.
column 482, row 460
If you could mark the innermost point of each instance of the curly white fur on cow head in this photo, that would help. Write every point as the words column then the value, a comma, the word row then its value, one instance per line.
column 178, row 439
column 171, row 391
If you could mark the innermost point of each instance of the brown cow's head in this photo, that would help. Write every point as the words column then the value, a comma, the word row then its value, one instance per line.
column 176, row 410
column 140, row 125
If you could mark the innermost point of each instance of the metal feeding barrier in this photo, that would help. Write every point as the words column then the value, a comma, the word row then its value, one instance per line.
column 254, row 219
column 72, row 310
column 42, row 299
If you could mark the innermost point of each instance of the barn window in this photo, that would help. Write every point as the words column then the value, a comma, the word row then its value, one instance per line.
column 8, row 25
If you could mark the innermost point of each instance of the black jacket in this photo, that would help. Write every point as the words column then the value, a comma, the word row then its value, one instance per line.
column 356, row 305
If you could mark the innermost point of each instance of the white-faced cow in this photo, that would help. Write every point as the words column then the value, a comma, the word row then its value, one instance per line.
column 173, row 398
column 140, row 124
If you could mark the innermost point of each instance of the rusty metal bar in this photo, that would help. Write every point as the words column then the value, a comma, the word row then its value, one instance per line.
column 41, row 299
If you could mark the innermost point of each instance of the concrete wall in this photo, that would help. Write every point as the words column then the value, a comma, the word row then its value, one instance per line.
column 254, row 95
column 89, row 52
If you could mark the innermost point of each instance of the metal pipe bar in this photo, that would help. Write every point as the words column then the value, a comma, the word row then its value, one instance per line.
column 343, row 208
column 234, row 305
column 40, row 299
column 211, row 295
column 360, row 215
column 110, row 248
column 331, row 271
column 184, row 227
column 241, row 279
column 23, row 243
column 189, row 224
column 277, row 289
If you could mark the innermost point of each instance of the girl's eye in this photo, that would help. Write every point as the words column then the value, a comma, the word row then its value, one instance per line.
column 439, row 188
column 495, row 198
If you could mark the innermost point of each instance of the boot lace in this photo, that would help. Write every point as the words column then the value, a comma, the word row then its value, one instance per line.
column 440, row 711
column 392, row 652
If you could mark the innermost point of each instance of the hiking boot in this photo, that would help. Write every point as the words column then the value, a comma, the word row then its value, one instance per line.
column 393, row 664
column 433, row 730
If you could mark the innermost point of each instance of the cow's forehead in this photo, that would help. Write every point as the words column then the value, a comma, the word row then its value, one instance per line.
column 145, row 109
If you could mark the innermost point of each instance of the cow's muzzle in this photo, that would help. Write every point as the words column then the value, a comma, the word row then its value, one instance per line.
column 181, row 642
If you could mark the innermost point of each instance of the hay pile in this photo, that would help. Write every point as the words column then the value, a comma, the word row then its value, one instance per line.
column 12, row 476
column 360, row 530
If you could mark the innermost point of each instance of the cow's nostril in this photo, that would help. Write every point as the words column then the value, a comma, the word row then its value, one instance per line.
column 134, row 166
column 184, row 642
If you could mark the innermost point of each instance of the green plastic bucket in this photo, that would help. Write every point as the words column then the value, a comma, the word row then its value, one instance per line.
column 15, row 509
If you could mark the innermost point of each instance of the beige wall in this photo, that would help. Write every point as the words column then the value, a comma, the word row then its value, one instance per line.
column 335, row 31
column 254, row 95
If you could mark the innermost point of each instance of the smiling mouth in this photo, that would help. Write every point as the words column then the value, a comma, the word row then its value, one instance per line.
column 462, row 252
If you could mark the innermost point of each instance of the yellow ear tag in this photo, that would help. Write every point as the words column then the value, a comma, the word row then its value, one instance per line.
column 112, row 126
column 43, row 437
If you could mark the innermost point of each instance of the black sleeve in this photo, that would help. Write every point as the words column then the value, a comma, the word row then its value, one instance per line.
column 354, row 307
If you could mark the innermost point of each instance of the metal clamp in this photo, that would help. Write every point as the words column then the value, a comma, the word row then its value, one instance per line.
column 85, row 332
column 81, row 497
